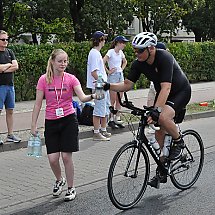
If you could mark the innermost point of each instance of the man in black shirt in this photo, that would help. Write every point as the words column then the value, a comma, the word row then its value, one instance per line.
column 172, row 87
column 8, row 65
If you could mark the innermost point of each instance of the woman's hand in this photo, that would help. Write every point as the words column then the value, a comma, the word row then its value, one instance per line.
column 34, row 131
column 111, row 70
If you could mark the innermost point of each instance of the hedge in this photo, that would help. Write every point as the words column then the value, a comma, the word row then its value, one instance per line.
column 196, row 59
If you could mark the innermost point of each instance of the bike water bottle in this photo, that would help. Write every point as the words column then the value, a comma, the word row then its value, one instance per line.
column 155, row 145
column 99, row 88
column 37, row 146
column 167, row 145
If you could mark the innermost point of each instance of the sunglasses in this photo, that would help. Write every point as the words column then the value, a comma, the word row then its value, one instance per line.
column 139, row 51
column 4, row 39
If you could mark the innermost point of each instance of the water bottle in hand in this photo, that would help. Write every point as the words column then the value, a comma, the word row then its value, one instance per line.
column 37, row 147
column 34, row 146
column 30, row 146
column 99, row 88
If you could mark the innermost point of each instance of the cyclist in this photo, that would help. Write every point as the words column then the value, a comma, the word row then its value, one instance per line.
column 172, row 87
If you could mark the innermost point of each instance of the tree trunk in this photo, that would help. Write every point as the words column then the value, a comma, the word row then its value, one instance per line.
column 34, row 38
column 75, row 12
column 198, row 35
column 1, row 15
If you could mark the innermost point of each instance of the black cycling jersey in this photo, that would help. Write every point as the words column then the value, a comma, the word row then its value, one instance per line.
column 164, row 69
column 6, row 57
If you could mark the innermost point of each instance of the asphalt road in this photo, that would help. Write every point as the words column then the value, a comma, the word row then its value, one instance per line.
column 167, row 200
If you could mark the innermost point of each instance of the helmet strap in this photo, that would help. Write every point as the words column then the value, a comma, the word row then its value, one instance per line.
column 148, row 54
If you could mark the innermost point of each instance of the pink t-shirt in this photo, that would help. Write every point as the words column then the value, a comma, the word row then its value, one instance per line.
column 65, row 102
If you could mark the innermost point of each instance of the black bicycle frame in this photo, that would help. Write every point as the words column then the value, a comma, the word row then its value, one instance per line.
column 141, row 137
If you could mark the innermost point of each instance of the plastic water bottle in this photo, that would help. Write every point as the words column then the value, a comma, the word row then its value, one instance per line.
column 167, row 145
column 151, row 95
column 34, row 146
column 155, row 145
column 99, row 88
column 37, row 147
column 30, row 146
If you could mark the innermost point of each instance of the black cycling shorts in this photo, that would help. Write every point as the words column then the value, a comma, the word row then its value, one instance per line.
column 61, row 135
column 179, row 100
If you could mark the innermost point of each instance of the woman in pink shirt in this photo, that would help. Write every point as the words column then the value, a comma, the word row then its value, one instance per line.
column 61, row 125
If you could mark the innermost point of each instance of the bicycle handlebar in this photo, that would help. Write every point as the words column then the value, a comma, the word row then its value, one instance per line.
column 129, row 104
column 135, row 110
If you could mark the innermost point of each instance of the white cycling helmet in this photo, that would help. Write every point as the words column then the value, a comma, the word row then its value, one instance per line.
column 144, row 40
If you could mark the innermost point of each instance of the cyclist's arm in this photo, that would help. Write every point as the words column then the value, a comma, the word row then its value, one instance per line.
column 122, row 87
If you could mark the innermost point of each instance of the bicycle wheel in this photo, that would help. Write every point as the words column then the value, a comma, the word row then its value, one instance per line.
column 187, row 169
column 125, row 185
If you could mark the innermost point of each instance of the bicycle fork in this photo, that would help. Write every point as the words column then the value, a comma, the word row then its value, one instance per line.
column 131, row 157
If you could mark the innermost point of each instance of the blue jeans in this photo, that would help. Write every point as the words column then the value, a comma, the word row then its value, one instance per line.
column 7, row 97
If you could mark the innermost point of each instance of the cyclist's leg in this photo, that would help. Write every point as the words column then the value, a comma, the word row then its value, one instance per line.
column 173, row 106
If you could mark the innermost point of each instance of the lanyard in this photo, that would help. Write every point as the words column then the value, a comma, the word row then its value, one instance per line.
column 61, row 91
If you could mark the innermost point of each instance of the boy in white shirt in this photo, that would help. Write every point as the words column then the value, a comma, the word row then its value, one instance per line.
column 95, row 67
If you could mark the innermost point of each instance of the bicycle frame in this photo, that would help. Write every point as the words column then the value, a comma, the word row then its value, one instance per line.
column 141, row 137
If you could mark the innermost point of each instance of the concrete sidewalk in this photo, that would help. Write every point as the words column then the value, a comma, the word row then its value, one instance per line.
column 22, row 114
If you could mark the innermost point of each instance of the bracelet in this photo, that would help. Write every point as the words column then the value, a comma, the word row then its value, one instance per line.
column 91, row 96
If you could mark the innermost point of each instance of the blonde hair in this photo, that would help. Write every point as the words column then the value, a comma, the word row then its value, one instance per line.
column 49, row 68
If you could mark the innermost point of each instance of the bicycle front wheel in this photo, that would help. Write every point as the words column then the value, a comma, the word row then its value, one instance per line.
column 187, row 169
column 128, row 175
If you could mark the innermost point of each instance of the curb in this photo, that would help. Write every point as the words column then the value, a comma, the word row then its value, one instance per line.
column 87, row 134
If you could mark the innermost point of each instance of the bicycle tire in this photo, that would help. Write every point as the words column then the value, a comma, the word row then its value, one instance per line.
column 186, row 171
column 126, row 190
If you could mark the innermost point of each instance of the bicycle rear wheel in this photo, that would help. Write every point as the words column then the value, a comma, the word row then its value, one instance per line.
column 125, row 185
column 187, row 169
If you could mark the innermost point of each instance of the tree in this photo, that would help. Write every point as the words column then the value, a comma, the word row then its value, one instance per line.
column 159, row 16
column 31, row 17
column 107, row 15
column 200, row 19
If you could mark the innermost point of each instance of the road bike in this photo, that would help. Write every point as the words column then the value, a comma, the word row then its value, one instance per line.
column 130, row 167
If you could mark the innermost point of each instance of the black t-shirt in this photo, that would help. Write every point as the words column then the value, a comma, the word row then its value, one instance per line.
column 6, row 57
column 164, row 69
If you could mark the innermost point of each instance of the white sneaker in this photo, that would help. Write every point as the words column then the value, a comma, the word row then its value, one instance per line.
column 58, row 187
column 106, row 134
column 1, row 141
column 100, row 137
column 70, row 194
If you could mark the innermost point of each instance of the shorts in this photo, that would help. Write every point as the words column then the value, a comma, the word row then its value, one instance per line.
column 7, row 97
column 180, row 100
column 101, row 107
column 116, row 77
column 61, row 135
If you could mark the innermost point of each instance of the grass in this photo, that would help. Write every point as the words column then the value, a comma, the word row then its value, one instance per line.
column 195, row 107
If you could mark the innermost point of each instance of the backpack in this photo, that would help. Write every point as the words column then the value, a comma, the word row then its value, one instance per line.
column 77, row 109
column 86, row 117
